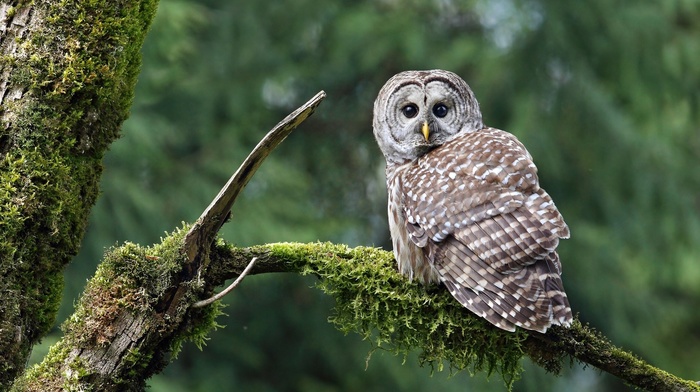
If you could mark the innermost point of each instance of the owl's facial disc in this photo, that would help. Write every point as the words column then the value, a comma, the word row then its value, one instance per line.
column 417, row 111
column 423, row 118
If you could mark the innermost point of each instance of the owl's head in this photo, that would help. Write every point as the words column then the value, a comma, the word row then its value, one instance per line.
column 417, row 111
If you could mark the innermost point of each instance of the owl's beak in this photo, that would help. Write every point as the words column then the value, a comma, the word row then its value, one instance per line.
column 425, row 130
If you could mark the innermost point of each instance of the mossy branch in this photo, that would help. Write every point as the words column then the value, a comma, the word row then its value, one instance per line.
column 122, row 322
column 373, row 300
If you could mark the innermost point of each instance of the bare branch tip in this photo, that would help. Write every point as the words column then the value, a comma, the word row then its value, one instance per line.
column 203, row 231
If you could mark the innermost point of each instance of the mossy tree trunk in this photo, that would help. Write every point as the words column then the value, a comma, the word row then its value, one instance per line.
column 68, row 75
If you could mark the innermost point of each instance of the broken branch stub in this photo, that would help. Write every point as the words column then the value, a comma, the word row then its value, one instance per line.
column 204, row 230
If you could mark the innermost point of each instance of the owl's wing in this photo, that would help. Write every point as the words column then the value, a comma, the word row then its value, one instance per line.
column 475, row 206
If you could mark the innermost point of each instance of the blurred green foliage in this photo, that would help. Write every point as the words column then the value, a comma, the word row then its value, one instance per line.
column 605, row 95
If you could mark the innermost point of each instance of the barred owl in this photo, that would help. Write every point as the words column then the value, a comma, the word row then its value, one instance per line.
column 465, row 206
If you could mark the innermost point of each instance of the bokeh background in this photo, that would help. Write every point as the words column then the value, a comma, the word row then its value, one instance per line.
column 604, row 94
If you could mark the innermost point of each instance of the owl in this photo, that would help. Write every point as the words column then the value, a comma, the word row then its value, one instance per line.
column 465, row 206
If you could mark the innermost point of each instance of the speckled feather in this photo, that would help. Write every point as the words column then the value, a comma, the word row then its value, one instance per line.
column 476, row 219
column 465, row 207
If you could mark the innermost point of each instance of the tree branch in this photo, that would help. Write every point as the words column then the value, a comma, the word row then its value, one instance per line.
column 589, row 346
column 138, row 309
column 228, row 289
column 348, row 275
column 204, row 231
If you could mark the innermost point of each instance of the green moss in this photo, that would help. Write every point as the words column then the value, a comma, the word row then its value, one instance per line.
column 135, row 281
column 51, row 375
column 372, row 299
column 200, row 323
column 130, row 277
column 10, row 12
column 45, row 376
column 136, row 361
column 77, row 69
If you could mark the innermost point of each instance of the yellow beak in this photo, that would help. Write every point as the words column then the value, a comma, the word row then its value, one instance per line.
column 425, row 130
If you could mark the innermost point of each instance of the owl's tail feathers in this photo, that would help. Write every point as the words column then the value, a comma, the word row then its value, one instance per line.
column 554, row 290
column 532, row 298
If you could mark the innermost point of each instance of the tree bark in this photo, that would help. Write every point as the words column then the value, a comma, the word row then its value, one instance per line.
column 68, row 75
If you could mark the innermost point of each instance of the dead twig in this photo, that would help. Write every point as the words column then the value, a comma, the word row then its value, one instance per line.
column 208, row 301
column 204, row 230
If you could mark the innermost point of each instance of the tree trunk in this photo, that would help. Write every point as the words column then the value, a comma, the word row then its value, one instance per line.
column 68, row 75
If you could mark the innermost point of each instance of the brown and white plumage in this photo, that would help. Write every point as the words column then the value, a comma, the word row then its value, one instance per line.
column 465, row 206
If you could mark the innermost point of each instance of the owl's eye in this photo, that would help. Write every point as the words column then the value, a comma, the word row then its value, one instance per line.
column 440, row 110
column 410, row 110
